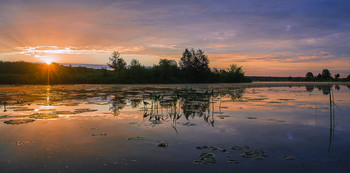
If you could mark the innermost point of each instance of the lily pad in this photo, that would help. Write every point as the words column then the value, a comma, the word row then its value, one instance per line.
column 64, row 112
column 289, row 158
column 19, row 143
column 3, row 116
column 239, row 147
column 44, row 116
column 206, row 158
column 19, row 121
column 163, row 144
column 78, row 111
column 136, row 138
column 99, row 134
column 254, row 154
column 189, row 124
column 233, row 161
column 211, row 148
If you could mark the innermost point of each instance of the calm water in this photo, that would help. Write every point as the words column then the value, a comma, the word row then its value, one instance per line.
column 261, row 127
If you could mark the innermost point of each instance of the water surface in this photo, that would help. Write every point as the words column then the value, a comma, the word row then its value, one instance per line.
column 259, row 127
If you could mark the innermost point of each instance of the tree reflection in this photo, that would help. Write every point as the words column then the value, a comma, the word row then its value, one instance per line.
column 171, row 105
column 118, row 103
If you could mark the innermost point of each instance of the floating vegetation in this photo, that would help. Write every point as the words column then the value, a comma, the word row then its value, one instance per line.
column 3, row 116
column 274, row 102
column 254, row 154
column 211, row 148
column 239, row 147
column 233, row 161
column 64, row 112
column 99, row 134
column 78, row 111
column 252, row 118
column 222, row 116
column 136, row 138
column 289, row 158
column 23, row 109
column 19, row 121
column 206, row 158
column 223, row 107
column 44, row 116
column 189, row 124
column 47, row 110
column 286, row 99
column 20, row 143
column 163, row 144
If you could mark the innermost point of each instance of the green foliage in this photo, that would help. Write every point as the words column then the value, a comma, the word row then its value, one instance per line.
column 116, row 63
column 336, row 77
column 326, row 74
column 194, row 65
column 309, row 76
column 194, row 68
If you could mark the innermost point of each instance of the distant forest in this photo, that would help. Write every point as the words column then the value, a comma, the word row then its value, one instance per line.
column 192, row 68
column 325, row 75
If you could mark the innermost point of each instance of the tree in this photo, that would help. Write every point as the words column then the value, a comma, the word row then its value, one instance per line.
column 234, row 74
column 348, row 78
column 135, row 63
column 116, row 63
column 326, row 74
column 309, row 76
column 194, row 60
column 336, row 77
column 194, row 64
column 167, row 71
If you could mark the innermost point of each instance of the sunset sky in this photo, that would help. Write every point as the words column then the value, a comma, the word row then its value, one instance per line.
column 267, row 38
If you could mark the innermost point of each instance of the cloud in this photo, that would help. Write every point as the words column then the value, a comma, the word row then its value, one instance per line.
column 266, row 31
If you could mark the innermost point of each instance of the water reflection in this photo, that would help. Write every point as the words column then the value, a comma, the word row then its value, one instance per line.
column 273, row 124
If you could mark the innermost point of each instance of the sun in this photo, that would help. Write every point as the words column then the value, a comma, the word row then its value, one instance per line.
column 48, row 61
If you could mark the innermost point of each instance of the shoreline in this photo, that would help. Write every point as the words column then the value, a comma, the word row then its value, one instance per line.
column 238, row 85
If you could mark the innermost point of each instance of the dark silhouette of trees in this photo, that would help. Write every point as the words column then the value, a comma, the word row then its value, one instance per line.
column 336, row 77
column 234, row 74
column 194, row 65
column 326, row 74
column 309, row 76
column 167, row 71
column 194, row 68
column 116, row 63
column 135, row 63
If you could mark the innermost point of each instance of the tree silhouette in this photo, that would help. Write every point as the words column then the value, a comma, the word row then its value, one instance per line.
column 194, row 64
column 135, row 63
column 118, row 64
column 309, row 76
column 326, row 74
column 336, row 77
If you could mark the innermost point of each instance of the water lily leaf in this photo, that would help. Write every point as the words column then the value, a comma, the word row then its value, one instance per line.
column 19, row 121
column 239, row 147
column 289, row 158
column 99, row 134
column 136, row 138
column 233, row 161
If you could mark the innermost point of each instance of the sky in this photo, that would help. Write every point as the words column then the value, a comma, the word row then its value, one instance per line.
column 267, row 38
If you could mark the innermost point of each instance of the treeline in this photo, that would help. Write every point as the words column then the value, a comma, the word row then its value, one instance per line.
column 324, row 76
column 192, row 68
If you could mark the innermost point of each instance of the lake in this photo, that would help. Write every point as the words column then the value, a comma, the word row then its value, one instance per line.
column 258, row 127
